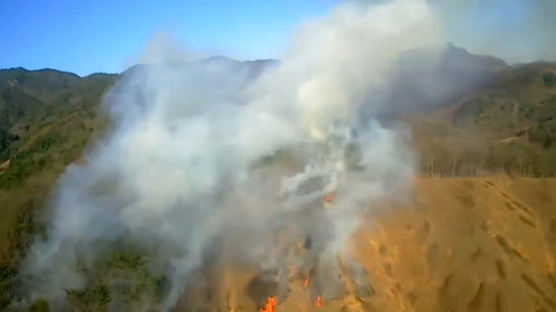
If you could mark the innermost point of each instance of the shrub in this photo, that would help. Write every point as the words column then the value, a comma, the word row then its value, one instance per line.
column 549, row 79
column 40, row 306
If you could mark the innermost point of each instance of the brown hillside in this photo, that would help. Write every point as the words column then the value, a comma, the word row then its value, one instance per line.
column 467, row 240
column 460, row 244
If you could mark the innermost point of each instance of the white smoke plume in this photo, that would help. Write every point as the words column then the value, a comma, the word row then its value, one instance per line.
column 182, row 168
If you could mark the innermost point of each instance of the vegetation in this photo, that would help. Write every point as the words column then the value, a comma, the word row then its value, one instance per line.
column 40, row 306
column 506, row 127
column 444, row 150
column 549, row 79
column 6, row 139
column 47, row 118
column 122, row 280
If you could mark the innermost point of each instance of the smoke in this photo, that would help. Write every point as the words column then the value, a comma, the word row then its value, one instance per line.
column 192, row 166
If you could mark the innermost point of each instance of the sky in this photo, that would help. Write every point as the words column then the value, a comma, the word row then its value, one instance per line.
column 514, row 30
column 87, row 36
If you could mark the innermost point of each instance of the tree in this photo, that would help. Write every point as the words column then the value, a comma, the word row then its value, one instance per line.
column 549, row 79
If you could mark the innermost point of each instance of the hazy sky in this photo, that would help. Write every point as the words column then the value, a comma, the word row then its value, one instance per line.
column 86, row 36
column 515, row 30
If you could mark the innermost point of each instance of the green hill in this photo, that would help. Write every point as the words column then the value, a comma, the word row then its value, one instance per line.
column 46, row 119
column 502, row 122
column 507, row 125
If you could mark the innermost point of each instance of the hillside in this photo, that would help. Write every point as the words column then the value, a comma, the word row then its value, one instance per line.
column 486, row 119
column 458, row 244
column 507, row 125
column 46, row 120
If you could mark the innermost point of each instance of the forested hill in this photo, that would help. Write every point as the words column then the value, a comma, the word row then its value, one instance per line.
column 507, row 125
column 498, row 119
column 46, row 119
column 36, row 104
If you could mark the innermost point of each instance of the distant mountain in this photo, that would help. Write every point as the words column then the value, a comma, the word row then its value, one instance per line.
column 521, row 102
column 31, row 99
column 252, row 68
column 474, row 92
column 506, row 123
column 428, row 78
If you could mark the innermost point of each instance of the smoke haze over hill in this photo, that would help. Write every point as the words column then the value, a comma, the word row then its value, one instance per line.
column 177, row 173
column 182, row 174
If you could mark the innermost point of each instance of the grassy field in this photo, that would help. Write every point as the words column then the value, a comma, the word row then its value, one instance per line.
column 456, row 244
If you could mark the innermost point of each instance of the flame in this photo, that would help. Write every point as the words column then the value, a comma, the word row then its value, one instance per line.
column 328, row 198
column 318, row 303
column 306, row 283
column 270, row 305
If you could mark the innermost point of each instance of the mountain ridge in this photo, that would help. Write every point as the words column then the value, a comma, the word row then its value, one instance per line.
column 470, row 127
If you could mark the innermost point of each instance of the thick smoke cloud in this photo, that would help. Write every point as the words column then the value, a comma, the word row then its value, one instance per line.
column 184, row 170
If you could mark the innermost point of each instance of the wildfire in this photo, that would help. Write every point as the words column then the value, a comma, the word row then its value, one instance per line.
column 318, row 303
column 306, row 283
column 328, row 198
column 270, row 305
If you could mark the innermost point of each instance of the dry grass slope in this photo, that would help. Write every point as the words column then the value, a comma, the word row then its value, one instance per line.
column 459, row 244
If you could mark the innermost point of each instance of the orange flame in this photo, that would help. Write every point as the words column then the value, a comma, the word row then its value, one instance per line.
column 306, row 283
column 328, row 198
column 318, row 303
column 270, row 305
